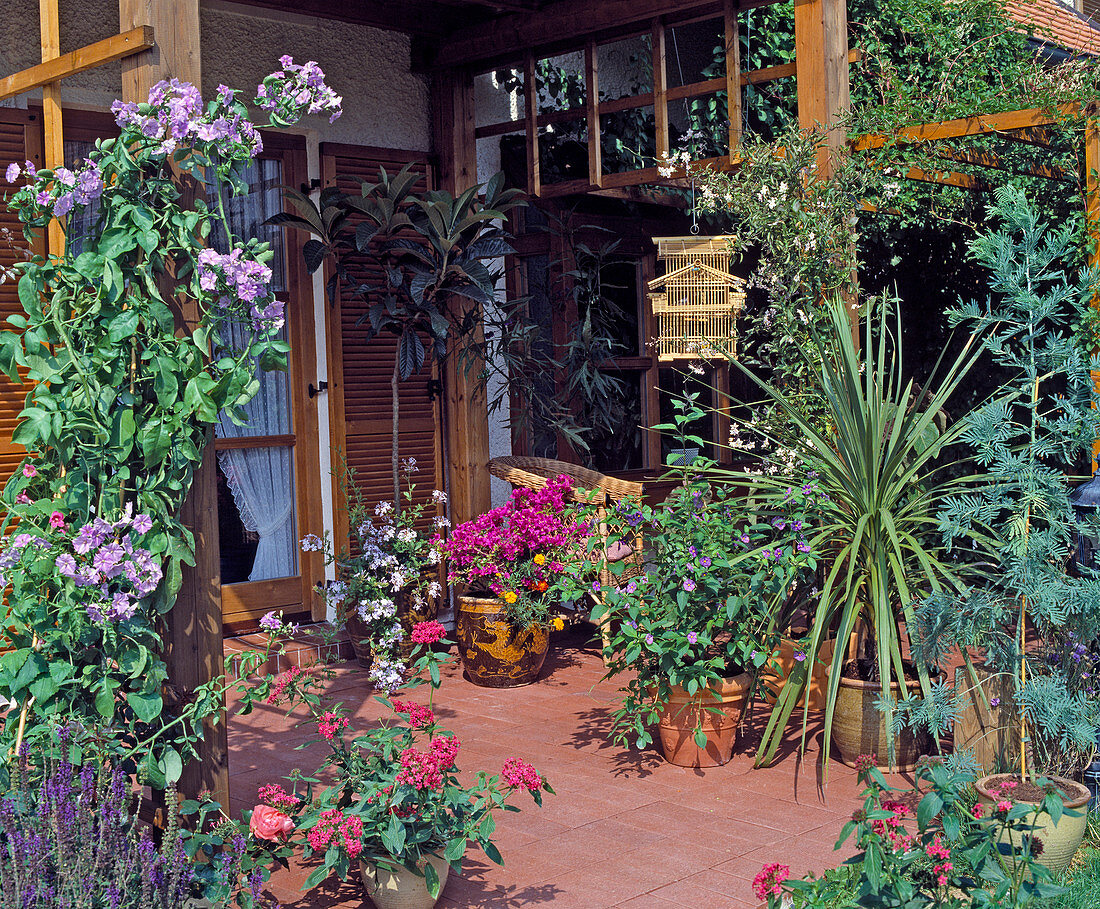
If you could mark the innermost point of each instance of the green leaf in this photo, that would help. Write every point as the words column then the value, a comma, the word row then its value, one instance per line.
column 146, row 705
column 431, row 879
column 172, row 765
column 123, row 326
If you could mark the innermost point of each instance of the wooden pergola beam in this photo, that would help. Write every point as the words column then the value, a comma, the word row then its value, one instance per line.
column 106, row 51
column 53, row 149
column 1005, row 122
column 996, row 162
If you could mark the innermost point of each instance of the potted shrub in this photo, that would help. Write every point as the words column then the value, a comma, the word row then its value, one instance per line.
column 874, row 460
column 518, row 562
column 1015, row 526
column 693, row 629
column 389, row 581
column 395, row 807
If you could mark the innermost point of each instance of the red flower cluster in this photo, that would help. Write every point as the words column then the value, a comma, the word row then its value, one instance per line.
column 1003, row 793
column 428, row 632
column 769, row 881
column 330, row 724
column 419, row 716
column 424, row 769
column 890, row 828
column 281, row 684
column 937, row 850
column 275, row 796
column 865, row 762
column 518, row 773
column 332, row 826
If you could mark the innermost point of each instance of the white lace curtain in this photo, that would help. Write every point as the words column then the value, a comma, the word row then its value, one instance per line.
column 261, row 479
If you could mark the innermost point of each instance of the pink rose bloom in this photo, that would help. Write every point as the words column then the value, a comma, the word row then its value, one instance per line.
column 57, row 521
column 29, row 470
column 270, row 824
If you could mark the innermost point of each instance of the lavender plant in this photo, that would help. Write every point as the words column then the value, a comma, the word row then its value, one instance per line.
column 69, row 839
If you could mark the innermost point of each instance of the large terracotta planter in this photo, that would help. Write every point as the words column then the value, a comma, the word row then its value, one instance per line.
column 860, row 728
column 399, row 888
column 782, row 664
column 495, row 653
column 717, row 716
column 1061, row 840
column 359, row 636
column 407, row 614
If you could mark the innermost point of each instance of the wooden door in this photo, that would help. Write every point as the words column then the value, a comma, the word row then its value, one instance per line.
column 267, row 472
column 360, row 370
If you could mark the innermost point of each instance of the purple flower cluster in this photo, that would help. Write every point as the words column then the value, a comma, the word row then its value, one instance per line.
column 73, row 828
column 238, row 282
column 102, row 558
column 295, row 90
column 174, row 116
column 55, row 193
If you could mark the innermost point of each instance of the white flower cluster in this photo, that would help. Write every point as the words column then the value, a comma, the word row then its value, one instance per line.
column 373, row 610
column 392, row 636
column 387, row 674
column 336, row 592
column 439, row 497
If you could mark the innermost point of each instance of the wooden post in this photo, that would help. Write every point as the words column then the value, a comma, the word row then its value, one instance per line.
column 193, row 645
column 733, row 75
column 821, row 69
column 531, row 102
column 54, row 147
column 660, row 90
column 592, row 112
column 466, row 418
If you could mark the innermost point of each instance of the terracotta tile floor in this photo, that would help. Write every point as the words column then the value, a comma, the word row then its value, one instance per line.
column 625, row 829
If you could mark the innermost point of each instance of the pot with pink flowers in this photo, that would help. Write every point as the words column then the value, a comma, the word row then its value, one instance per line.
column 518, row 562
column 395, row 810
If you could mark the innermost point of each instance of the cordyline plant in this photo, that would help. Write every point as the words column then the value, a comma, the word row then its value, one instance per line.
column 431, row 249
column 124, row 391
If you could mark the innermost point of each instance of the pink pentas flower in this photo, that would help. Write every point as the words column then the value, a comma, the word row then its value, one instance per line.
column 769, row 880
column 351, row 832
column 419, row 769
column 419, row 715
column 428, row 632
column 277, row 797
column 517, row 773
column 330, row 724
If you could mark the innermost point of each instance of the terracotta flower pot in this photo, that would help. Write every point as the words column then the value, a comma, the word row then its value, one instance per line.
column 359, row 634
column 400, row 888
column 495, row 653
column 1060, row 841
column 684, row 712
column 407, row 614
column 782, row 664
column 860, row 728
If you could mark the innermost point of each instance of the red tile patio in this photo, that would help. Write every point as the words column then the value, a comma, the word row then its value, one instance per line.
column 624, row 829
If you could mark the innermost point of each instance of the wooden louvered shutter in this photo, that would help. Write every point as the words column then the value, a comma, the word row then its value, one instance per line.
column 20, row 140
column 360, row 371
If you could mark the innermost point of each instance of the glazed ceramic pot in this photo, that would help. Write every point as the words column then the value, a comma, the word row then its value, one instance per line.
column 400, row 888
column 408, row 614
column 1060, row 841
column 359, row 634
column 860, row 728
column 782, row 664
column 717, row 711
column 495, row 653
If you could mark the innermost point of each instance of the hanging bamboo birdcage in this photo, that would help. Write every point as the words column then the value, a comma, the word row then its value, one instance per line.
column 696, row 301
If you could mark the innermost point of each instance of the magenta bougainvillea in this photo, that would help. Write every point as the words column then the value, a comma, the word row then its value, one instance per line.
column 521, row 550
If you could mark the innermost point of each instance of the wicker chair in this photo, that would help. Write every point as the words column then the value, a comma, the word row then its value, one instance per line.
column 590, row 487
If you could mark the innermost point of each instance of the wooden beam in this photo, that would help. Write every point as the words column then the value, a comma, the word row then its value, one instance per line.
column 946, row 178
column 996, row 162
column 592, row 113
column 1092, row 193
column 531, row 96
column 660, row 88
column 193, row 627
column 558, row 22
column 106, row 51
column 424, row 18
column 466, row 417
column 52, row 126
column 1005, row 122
column 733, row 74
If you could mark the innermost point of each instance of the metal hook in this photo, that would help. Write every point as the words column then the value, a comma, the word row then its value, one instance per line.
column 694, row 211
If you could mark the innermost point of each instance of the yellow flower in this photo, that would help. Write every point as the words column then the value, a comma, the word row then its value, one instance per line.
column 510, row 596
column 558, row 624
column 540, row 559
